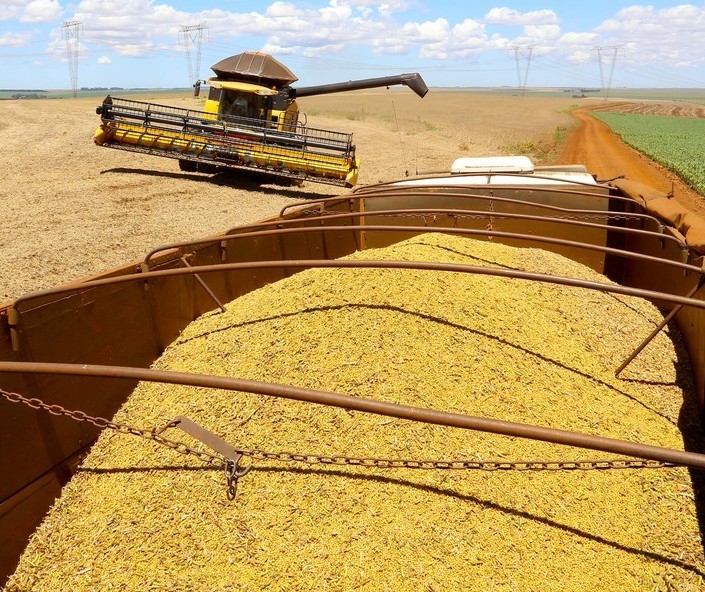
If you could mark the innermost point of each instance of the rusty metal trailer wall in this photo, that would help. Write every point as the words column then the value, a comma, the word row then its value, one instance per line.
column 130, row 324
column 496, row 200
column 640, row 274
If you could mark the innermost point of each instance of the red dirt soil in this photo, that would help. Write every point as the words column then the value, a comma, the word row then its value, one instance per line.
column 593, row 144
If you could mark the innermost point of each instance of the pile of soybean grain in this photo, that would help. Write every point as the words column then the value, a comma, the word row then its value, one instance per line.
column 141, row 517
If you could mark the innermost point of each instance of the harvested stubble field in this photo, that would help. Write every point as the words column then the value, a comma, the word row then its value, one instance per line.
column 139, row 516
column 72, row 209
column 664, row 108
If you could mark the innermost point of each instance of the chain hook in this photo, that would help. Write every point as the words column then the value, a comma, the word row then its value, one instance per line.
column 232, row 473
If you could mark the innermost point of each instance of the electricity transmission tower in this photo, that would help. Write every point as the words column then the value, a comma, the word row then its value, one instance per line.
column 520, row 53
column 71, row 31
column 193, row 37
column 611, row 61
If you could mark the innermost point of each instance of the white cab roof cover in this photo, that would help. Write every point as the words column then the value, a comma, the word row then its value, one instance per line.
column 519, row 171
column 493, row 164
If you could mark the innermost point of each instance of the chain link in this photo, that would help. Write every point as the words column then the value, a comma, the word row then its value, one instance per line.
column 385, row 463
column 233, row 473
column 577, row 217
column 102, row 423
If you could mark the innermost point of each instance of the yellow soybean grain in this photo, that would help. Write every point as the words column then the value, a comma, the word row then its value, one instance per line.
column 141, row 517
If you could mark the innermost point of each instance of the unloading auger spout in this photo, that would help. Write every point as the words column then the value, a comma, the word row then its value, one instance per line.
column 413, row 81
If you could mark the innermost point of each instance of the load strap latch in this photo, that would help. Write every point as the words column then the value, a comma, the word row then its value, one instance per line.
column 230, row 455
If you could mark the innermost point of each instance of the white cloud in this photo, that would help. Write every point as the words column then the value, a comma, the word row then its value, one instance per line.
column 138, row 8
column 465, row 40
column 577, row 39
column 104, row 60
column 609, row 26
column 434, row 31
column 138, row 28
column 670, row 36
column 14, row 39
column 509, row 16
column 634, row 12
column 30, row 11
column 10, row 9
column 131, row 27
column 542, row 32
column 309, row 32
column 281, row 9
column 540, row 29
column 334, row 15
column 391, row 49
column 134, row 50
column 383, row 7
column 469, row 29
column 581, row 57
column 41, row 11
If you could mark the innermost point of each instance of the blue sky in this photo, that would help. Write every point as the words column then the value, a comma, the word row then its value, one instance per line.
column 139, row 43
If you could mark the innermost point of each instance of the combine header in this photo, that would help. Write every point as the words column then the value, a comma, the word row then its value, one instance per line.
column 250, row 123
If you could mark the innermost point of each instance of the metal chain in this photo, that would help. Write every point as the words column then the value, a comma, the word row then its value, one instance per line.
column 577, row 217
column 386, row 463
column 102, row 423
column 232, row 471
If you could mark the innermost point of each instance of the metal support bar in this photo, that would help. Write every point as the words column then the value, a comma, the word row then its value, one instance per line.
column 205, row 436
column 13, row 320
column 459, row 212
column 204, row 285
column 356, row 403
column 394, row 188
column 667, row 319
column 407, row 192
column 440, row 229
column 367, row 264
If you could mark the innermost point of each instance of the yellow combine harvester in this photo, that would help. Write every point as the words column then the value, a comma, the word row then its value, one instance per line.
column 250, row 122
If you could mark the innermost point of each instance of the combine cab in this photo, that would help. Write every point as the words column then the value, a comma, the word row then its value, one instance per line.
column 250, row 123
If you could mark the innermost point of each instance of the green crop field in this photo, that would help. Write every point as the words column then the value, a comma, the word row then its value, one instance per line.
column 678, row 143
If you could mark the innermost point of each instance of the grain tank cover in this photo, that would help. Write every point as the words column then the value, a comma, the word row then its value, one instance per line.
column 254, row 66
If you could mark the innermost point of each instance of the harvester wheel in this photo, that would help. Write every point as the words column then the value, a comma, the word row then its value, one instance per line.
column 188, row 165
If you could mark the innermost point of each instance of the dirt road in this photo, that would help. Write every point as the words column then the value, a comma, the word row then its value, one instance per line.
column 593, row 144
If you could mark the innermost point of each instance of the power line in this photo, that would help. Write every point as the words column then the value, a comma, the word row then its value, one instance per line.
column 71, row 31
column 520, row 53
column 193, row 39
column 659, row 75
column 612, row 61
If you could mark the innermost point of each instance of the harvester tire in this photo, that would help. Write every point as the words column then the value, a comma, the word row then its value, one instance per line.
column 188, row 165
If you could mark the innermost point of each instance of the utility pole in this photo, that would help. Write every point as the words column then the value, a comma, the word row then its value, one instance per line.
column 612, row 60
column 193, row 38
column 71, row 31
column 521, row 52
